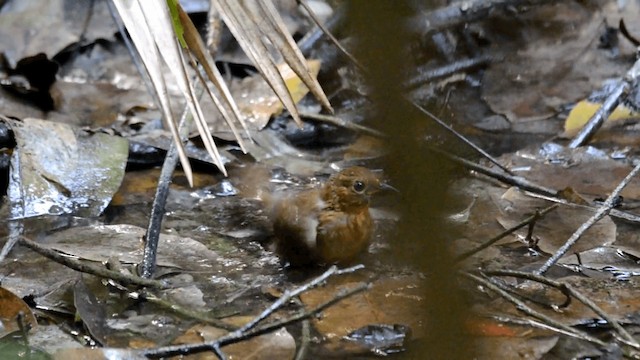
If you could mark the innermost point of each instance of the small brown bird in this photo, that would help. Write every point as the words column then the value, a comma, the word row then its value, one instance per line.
column 326, row 225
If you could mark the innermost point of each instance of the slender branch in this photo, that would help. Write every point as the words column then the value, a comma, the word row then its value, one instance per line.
column 90, row 268
column 533, row 313
column 219, row 353
column 235, row 337
column 334, row 120
column 461, row 12
column 182, row 311
column 568, row 289
column 305, row 340
column 532, row 323
column 459, row 136
column 152, row 236
column 425, row 75
column 622, row 215
column 305, row 333
column 599, row 214
column 288, row 295
column 610, row 103
column 518, row 181
column 511, row 230
column 328, row 33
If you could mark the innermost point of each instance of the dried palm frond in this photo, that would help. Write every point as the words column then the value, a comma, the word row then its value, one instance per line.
column 259, row 30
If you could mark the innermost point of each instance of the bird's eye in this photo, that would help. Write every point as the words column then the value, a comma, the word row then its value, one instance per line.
column 358, row 186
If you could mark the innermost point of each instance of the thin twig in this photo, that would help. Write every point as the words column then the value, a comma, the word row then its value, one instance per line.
column 235, row 337
column 622, row 215
column 90, row 268
column 531, row 323
column 459, row 136
column 305, row 333
column 305, row 340
column 533, row 189
column 513, row 180
column 334, row 120
column 524, row 297
column 184, row 312
column 600, row 213
column 461, row 12
column 508, row 231
column 152, row 236
column 328, row 33
column 568, row 289
column 341, row 295
column 288, row 295
column 219, row 353
column 308, row 41
column 425, row 75
column 610, row 103
column 533, row 313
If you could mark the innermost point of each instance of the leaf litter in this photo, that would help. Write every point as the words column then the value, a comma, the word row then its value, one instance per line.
column 589, row 172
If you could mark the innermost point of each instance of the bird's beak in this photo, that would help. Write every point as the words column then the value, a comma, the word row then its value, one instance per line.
column 384, row 187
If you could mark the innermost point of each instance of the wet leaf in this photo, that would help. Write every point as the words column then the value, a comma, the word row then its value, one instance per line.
column 34, row 275
column 258, row 102
column 395, row 300
column 12, row 310
column 558, row 65
column 97, row 354
column 552, row 231
column 56, row 169
column 91, row 311
column 52, row 338
column 50, row 26
column 276, row 345
column 589, row 171
column 124, row 242
column 619, row 261
column 381, row 339
column 514, row 347
column 489, row 328
column 15, row 348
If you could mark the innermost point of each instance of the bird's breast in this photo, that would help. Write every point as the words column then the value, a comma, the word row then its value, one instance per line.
column 343, row 236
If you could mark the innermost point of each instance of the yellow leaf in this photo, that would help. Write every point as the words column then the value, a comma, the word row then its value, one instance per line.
column 263, row 102
column 294, row 84
column 584, row 110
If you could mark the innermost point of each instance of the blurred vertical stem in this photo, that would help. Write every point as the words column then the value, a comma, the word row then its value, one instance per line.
column 382, row 39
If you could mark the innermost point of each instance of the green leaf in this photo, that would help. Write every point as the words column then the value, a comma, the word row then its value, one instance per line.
column 175, row 19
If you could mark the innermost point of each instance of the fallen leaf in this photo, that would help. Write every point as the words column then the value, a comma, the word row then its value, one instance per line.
column 57, row 169
column 276, row 345
column 11, row 308
column 584, row 110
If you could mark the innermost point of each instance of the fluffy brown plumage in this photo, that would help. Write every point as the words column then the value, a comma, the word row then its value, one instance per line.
column 327, row 225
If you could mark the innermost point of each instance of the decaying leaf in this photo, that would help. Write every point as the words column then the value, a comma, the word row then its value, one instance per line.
column 258, row 102
column 12, row 311
column 53, row 26
column 276, row 345
column 552, row 231
column 58, row 169
column 124, row 242
column 562, row 65
column 390, row 301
